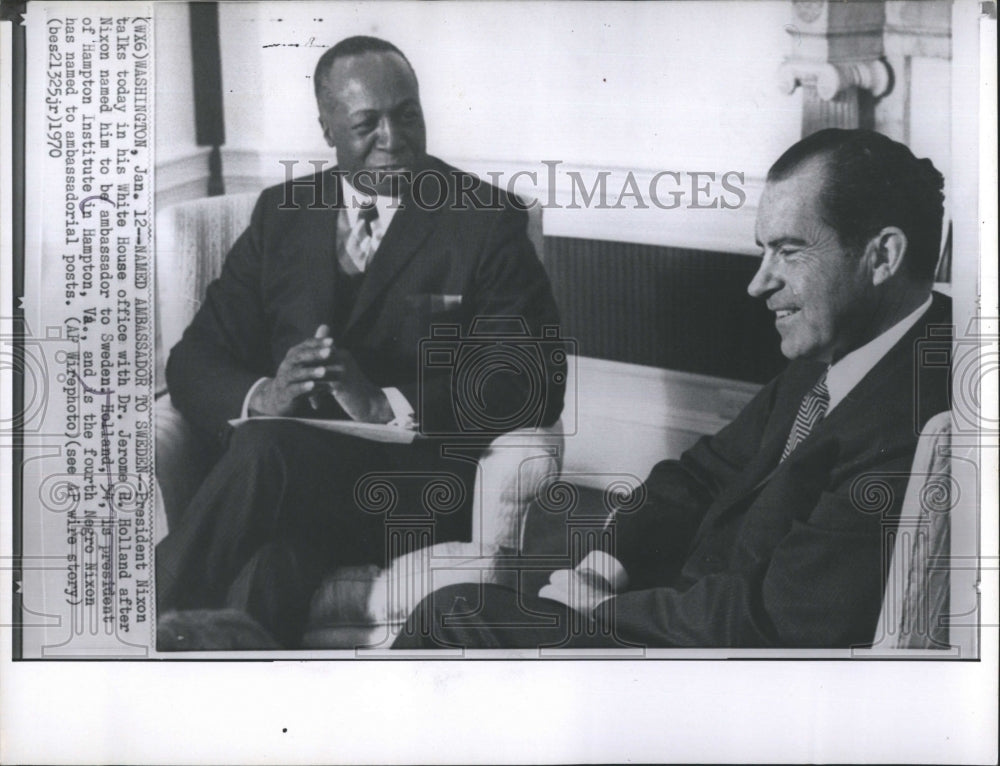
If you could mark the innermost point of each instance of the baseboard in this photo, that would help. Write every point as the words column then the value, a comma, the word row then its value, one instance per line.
column 181, row 178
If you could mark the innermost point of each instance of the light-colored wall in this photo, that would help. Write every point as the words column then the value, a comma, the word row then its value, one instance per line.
column 919, row 110
column 641, row 87
column 180, row 164
column 623, row 87
column 175, row 132
column 657, row 85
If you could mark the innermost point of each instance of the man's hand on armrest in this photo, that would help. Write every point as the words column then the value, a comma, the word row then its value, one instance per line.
column 594, row 580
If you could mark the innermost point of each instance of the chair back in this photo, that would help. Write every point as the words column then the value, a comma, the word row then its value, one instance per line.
column 915, row 606
column 192, row 240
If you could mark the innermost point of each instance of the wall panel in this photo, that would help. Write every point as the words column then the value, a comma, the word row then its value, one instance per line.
column 668, row 307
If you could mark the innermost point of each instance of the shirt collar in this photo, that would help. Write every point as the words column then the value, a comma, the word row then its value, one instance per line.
column 848, row 371
column 355, row 200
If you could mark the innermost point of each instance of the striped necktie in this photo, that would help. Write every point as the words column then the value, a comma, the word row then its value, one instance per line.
column 363, row 241
column 811, row 411
column 366, row 215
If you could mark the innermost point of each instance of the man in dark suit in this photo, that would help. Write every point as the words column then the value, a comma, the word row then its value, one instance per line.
column 322, row 309
column 772, row 532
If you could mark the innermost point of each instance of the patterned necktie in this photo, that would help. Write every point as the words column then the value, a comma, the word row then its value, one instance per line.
column 811, row 411
column 366, row 215
column 363, row 242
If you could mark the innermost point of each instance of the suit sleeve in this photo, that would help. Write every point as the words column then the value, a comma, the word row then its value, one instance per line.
column 822, row 587
column 652, row 540
column 517, row 378
column 223, row 351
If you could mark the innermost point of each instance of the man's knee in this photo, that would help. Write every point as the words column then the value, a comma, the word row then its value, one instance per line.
column 264, row 439
column 458, row 599
column 427, row 626
column 483, row 616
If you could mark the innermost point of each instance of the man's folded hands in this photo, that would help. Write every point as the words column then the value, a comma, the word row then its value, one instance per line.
column 315, row 368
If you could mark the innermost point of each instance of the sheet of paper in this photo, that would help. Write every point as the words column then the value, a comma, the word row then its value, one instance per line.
column 376, row 432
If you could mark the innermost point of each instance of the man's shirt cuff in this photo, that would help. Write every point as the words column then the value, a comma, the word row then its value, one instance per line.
column 402, row 411
column 245, row 412
column 605, row 566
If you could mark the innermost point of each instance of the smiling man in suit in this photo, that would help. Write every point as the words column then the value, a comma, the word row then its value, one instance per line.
column 320, row 311
column 772, row 532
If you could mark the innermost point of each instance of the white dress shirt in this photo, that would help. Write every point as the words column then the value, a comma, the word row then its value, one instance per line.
column 844, row 374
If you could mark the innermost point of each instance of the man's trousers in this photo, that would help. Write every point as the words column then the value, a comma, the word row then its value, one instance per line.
column 489, row 616
column 286, row 503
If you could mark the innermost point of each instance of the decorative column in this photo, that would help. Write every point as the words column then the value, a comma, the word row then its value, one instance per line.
column 837, row 59
column 918, row 111
column 918, row 49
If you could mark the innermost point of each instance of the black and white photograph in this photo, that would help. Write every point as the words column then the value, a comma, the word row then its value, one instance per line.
column 469, row 353
column 583, row 435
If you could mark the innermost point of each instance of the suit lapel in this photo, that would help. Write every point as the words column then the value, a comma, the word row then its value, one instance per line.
column 770, row 462
column 871, row 388
column 408, row 230
column 880, row 383
column 319, row 243
column 769, row 455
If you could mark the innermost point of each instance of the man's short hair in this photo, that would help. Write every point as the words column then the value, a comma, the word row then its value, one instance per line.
column 873, row 182
column 353, row 46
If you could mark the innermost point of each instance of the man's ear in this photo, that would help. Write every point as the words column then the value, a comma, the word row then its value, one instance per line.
column 886, row 252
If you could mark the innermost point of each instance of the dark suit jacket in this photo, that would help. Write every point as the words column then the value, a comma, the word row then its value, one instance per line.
column 277, row 286
column 733, row 549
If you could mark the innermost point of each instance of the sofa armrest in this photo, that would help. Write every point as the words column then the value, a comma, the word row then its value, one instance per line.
column 511, row 472
column 183, row 459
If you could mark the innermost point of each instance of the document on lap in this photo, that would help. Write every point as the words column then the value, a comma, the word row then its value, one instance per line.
column 376, row 432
